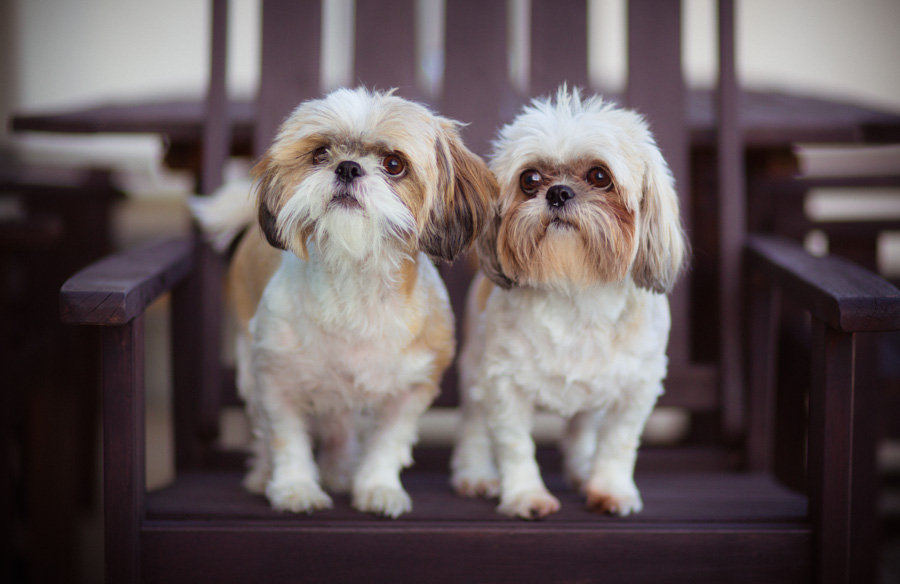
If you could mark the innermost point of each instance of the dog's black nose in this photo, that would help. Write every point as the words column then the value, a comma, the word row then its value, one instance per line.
column 348, row 170
column 557, row 195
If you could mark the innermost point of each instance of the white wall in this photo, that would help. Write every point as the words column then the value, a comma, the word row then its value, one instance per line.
column 70, row 53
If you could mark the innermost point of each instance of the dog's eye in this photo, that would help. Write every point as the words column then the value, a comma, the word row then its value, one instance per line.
column 598, row 177
column 320, row 155
column 393, row 165
column 530, row 180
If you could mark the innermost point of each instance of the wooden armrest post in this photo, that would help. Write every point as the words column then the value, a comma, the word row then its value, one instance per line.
column 113, row 295
column 196, row 368
column 842, row 300
column 842, row 517
column 765, row 308
column 123, row 448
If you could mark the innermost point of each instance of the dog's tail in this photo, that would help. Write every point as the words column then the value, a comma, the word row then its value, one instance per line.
column 224, row 214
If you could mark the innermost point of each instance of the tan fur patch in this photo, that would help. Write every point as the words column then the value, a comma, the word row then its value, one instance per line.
column 602, row 503
column 409, row 273
column 436, row 335
column 594, row 241
column 277, row 173
column 463, row 201
column 483, row 290
column 252, row 266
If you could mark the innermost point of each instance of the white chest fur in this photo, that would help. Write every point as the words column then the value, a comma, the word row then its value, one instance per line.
column 569, row 351
column 343, row 339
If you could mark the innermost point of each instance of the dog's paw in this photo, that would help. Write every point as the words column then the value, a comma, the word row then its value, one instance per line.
column 299, row 497
column 622, row 501
column 535, row 504
column 472, row 484
column 382, row 500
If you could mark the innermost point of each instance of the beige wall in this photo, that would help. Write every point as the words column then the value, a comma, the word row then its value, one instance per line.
column 66, row 53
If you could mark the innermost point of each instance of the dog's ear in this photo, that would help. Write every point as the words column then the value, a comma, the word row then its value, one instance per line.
column 466, row 188
column 269, row 200
column 662, row 245
column 488, row 258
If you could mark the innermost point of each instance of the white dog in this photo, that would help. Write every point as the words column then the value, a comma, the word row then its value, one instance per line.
column 572, row 315
column 350, row 326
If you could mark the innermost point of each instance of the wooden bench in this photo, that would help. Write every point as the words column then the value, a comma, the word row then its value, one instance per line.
column 714, row 509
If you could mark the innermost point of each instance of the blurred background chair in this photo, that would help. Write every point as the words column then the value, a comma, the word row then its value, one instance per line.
column 53, row 221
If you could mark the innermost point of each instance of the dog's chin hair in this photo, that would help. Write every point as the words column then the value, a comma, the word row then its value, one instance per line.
column 568, row 257
column 379, row 231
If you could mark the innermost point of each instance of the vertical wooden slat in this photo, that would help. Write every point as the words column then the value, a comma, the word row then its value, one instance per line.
column 123, row 448
column 732, row 224
column 833, row 495
column 558, row 44
column 867, row 407
column 477, row 92
column 764, row 312
column 386, row 45
column 289, row 73
column 654, row 62
column 217, row 126
column 476, row 83
column 196, row 362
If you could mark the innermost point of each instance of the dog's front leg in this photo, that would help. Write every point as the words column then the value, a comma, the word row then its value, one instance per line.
column 474, row 472
column 611, row 488
column 294, row 485
column 260, row 463
column 376, row 484
column 522, row 492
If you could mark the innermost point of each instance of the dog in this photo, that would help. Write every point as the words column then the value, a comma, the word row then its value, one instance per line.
column 344, row 325
column 569, row 312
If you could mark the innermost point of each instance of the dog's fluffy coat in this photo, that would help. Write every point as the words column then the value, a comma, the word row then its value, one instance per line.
column 570, row 313
column 349, row 329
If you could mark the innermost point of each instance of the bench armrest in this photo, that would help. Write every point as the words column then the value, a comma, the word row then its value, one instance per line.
column 117, row 288
column 836, row 291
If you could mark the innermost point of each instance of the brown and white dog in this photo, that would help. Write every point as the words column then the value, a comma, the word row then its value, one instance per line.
column 345, row 326
column 572, row 314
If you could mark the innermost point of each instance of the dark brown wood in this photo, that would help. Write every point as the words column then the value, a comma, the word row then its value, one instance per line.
column 694, row 387
column 457, row 276
column 652, row 65
column 289, row 74
column 732, row 227
column 123, row 449
column 684, row 512
column 476, row 86
column 51, row 378
column 480, row 553
column 118, row 288
column 558, row 45
column 770, row 119
column 177, row 120
column 689, row 496
column 763, row 321
column 196, row 369
column 831, row 477
column 216, row 129
column 834, row 290
column 386, row 52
